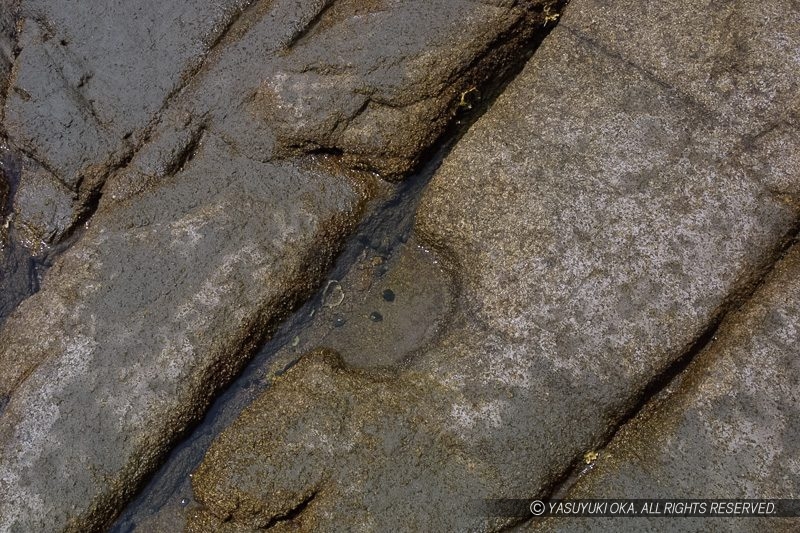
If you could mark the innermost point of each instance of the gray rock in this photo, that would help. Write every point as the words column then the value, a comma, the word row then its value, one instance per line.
column 17, row 276
column 381, row 95
column 209, row 236
column 8, row 39
column 136, row 326
column 89, row 78
column 728, row 430
column 17, row 269
column 736, row 61
column 90, row 82
column 334, row 78
column 596, row 220
column 44, row 209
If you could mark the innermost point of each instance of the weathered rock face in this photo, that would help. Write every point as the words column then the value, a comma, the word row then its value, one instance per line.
column 334, row 78
column 84, row 83
column 381, row 95
column 735, row 61
column 209, row 234
column 597, row 220
column 153, row 308
column 89, row 78
column 8, row 38
column 82, row 101
column 17, row 270
column 729, row 430
column 44, row 209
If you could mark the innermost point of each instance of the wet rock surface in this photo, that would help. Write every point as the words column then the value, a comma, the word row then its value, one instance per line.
column 202, row 164
column 380, row 253
column 729, row 429
column 155, row 312
column 378, row 318
column 89, row 78
column 44, row 210
column 18, row 277
column 597, row 221
column 80, row 85
column 221, row 199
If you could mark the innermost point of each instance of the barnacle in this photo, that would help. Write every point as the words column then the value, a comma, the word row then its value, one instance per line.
column 333, row 295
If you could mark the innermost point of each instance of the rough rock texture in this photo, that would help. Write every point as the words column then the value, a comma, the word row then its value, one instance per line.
column 84, row 81
column 44, row 209
column 736, row 61
column 381, row 95
column 335, row 78
column 17, row 269
column 8, row 39
column 208, row 235
column 13, row 287
column 17, row 277
column 90, row 77
column 596, row 220
column 156, row 307
column 730, row 429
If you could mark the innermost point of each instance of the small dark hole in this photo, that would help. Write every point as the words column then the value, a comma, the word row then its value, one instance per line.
column 388, row 295
column 375, row 316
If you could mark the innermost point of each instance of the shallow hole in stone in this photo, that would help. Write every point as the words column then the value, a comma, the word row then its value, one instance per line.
column 380, row 254
column 380, row 270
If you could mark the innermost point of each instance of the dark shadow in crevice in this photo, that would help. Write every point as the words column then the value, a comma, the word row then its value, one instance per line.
column 386, row 227
column 659, row 387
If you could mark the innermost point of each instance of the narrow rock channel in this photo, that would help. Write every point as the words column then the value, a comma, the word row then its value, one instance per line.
column 215, row 209
column 384, row 299
column 330, row 265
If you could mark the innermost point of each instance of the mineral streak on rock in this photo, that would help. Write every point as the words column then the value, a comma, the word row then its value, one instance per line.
column 224, row 186
column 597, row 219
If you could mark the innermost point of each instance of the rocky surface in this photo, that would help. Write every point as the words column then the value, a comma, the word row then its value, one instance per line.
column 80, row 85
column 327, row 77
column 728, row 430
column 43, row 209
column 208, row 228
column 8, row 39
column 89, row 78
column 340, row 316
column 156, row 307
column 204, row 163
column 596, row 221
